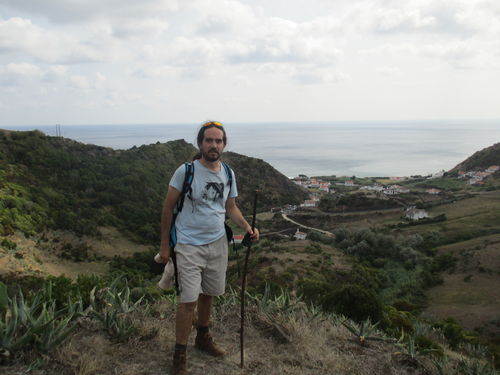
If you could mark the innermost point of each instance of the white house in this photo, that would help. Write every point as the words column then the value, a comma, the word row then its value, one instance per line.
column 433, row 191
column 438, row 174
column 309, row 203
column 389, row 191
column 414, row 213
column 300, row 235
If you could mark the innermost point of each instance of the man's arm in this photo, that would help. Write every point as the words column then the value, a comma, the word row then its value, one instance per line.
column 166, row 222
column 235, row 214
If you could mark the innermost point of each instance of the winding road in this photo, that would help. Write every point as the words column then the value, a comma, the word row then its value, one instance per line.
column 330, row 234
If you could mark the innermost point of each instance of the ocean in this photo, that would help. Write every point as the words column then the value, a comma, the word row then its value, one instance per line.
column 359, row 148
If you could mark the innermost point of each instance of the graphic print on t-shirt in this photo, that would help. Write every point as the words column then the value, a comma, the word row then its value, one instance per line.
column 213, row 191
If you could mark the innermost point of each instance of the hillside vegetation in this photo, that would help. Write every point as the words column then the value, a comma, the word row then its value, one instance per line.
column 480, row 159
column 348, row 303
column 57, row 183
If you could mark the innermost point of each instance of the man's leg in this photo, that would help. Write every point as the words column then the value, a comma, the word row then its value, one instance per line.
column 183, row 322
column 204, row 309
column 204, row 340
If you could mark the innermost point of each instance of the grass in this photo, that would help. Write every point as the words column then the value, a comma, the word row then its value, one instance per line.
column 466, row 219
column 475, row 304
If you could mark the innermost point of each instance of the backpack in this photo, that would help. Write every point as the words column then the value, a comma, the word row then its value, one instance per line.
column 186, row 190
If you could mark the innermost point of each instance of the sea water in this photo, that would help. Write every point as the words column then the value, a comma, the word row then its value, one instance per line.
column 365, row 148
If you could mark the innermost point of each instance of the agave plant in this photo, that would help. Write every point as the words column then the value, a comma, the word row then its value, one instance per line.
column 111, row 309
column 474, row 366
column 365, row 331
column 34, row 324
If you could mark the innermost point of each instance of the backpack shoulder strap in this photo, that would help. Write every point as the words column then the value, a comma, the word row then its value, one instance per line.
column 229, row 174
column 186, row 186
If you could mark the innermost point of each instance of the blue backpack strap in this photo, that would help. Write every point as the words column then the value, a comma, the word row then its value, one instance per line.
column 186, row 186
column 229, row 174
column 186, row 189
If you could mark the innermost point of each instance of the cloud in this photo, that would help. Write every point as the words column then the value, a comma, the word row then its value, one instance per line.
column 79, row 82
column 385, row 20
column 24, row 69
column 314, row 77
column 20, row 37
column 388, row 70
column 280, row 41
column 462, row 54
column 140, row 28
column 55, row 73
column 14, row 74
column 224, row 16
column 78, row 11
column 454, row 18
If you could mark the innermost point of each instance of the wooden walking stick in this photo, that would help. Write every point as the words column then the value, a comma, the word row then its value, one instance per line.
column 244, row 280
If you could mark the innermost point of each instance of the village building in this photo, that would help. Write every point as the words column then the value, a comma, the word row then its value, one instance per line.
column 309, row 203
column 492, row 169
column 433, row 191
column 300, row 235
column 438, row 174
column 414, row 213
column 373, row 188
column 389, row 191
column 238, row 238
column 477, row 180
column 324, row 186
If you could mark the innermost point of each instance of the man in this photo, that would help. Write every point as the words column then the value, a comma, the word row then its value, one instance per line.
column 201, row 250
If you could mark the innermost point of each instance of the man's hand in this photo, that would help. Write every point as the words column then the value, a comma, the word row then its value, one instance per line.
column 164, row 253
column 254, row 234
column 250, row 236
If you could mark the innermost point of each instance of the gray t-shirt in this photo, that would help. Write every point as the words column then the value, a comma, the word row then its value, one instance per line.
column 201, row 220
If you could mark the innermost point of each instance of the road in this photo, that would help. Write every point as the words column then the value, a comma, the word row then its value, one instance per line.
column 330, row 234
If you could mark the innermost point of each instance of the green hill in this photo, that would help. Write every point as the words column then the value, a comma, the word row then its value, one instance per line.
column 480, row 159
column 58, row 183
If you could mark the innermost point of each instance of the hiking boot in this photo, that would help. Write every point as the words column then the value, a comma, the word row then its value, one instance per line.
column 205, row 342
column 179, row 363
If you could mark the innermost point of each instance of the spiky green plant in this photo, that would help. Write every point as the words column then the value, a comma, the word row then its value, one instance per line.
column 474, row 366
column 443, row 366
column 476, row 351
column 410, row 349
column 365, row 331
column 3, row 297
column 36, row 324
column 273, row 302
column 111, row 307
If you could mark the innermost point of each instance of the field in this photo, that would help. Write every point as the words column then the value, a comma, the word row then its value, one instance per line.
column 466, row 219
column 470, row 291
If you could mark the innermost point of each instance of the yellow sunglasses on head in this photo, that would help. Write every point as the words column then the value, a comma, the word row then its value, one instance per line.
column 212, row 123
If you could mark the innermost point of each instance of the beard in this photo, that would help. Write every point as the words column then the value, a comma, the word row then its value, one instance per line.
column 208, row 157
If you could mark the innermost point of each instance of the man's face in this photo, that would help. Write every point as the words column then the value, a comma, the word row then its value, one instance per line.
column 213, row 144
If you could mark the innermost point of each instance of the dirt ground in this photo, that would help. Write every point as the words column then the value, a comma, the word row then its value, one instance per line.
column 42, row 256
column 314, row 347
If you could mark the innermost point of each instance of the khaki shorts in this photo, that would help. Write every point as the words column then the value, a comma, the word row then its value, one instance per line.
column 201, row 269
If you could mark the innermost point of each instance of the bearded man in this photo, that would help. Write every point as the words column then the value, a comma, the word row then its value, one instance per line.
column 202, row 247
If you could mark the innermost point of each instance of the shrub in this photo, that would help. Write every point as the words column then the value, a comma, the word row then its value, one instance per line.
column 313, row 290
column 395, row 320
column 354, row 301
column 8, row 244
column 426, row 345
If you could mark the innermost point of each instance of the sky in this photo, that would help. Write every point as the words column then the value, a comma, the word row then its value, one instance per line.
column 187, row 61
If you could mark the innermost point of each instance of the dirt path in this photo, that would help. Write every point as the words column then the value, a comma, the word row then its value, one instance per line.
column 330, row 234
